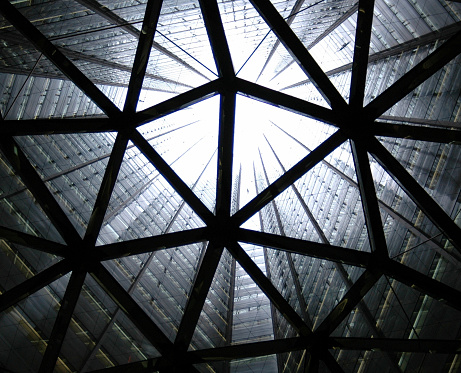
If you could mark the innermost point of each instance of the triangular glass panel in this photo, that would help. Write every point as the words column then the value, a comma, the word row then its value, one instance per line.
column 161, row 290
column 143, row 203
column 214, row 325
column 181, row 52
column 187, row 140
column 252, row 315
column 72, row 167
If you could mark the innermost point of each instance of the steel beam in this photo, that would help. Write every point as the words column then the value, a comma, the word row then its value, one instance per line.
column 40, row 280
column 61, row 324
column 225, row 154
column 421, row 121
column 198, row 296
column 150, row 244
column 36, row 186
column 40, row 42
column 248, row 350
column 34, row 242
column 298, row 51
column 368, row 198
column 287, row 102
column 177, row 103
column 361, row 49
column 440, row 135
column 417, row 75
column 324, row 34
column 284, row 181
column 312, row 249
column 217, row 38
column 175, row 181
column 106, row 188
column 422, row 283
column 141, row 59
column 417, row 193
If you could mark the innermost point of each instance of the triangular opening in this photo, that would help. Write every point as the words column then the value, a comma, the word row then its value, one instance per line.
column 214, row 325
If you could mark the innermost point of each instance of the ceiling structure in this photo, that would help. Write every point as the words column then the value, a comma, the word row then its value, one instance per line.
column 138, row 234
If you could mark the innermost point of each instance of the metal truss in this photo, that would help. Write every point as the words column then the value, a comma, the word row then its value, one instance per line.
column 357, row 124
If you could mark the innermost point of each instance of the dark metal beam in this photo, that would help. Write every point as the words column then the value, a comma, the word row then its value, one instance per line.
column 422, row 283
column 368, row 198
column 440, row 135
column 417, row 75
column 217, row 38
column 33, row 242
column 284, row 181
column 106, row 188
column 312, row 249
column 299, row 52
column 175, row 181
column 287, row 102
column 150, row 244
column 61, row 324
column 324, row 34
column 268, row 288
column 40, row 280
column 36, row 186
column 422, row 121
column 361, row 49
column 176, row 103
column 350, row 301
column 225, row 154
column 247, row 350
column 141, row 59
column 198, row 296
column 57, row 58
column 422, row 199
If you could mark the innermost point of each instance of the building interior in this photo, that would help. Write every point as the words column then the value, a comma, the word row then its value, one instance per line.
column 230, row 186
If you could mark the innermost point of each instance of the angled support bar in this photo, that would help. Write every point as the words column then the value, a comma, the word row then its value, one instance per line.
column 176, row 103
column 293, row 174
column 312, row 249
column 422, row 199
column 299, row 52
column 287, row 102
column 403, row 131
column 141, row 59
column 417, row 75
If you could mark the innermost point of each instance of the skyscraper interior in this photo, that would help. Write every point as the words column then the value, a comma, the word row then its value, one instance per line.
column 230, row 186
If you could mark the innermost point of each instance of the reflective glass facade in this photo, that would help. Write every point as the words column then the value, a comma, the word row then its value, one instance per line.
column 230, row 186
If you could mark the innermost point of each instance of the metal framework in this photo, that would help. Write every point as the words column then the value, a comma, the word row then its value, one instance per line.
column 356, row 123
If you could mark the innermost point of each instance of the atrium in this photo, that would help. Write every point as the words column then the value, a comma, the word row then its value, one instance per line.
column 230, row 186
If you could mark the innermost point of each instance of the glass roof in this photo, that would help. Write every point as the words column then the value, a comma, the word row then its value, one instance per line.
column 230, row 186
